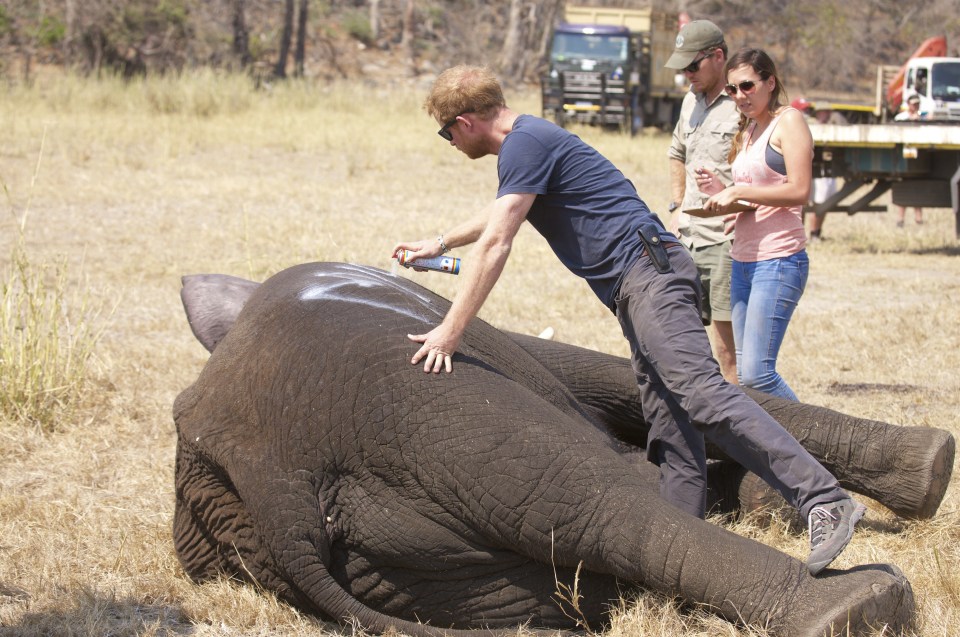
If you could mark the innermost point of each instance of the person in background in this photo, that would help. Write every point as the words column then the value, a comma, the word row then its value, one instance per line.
column 597, row 225
column 701, row 140
column 772, row 172
column 921, row 86
column 823, row 187
column 912, row 114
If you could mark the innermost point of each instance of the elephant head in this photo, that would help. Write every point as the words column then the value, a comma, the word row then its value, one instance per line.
column 316, row 461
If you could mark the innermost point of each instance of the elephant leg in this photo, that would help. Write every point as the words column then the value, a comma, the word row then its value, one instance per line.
column 750, row 583
column 756, row 499
column 907, row 469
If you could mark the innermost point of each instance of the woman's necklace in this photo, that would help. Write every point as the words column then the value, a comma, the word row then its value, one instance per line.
column 757, row 131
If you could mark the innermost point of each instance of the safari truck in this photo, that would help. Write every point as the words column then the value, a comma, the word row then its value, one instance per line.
column 917, row 162
column 606, row 68
column 927, row 73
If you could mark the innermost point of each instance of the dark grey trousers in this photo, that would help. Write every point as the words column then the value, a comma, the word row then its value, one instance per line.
column 684, row 396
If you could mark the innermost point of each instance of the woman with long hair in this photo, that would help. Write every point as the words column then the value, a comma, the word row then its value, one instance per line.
column 772, row 172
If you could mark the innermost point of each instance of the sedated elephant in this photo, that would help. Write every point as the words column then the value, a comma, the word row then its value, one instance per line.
column 315, row 460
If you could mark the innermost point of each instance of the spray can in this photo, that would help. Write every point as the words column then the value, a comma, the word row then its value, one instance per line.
column 450, row 265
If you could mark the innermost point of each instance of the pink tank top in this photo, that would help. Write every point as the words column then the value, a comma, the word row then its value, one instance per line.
column 769, row 232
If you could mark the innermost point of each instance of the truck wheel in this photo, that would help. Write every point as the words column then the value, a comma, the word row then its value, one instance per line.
column 559, row 119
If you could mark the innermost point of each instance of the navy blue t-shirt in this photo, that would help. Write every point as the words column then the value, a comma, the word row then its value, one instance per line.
column 586, row 209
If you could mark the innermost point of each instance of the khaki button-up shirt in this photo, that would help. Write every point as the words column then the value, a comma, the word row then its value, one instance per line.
column 702, row 139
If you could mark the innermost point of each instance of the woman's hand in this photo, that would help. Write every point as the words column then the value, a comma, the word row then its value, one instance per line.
column 720, row 202
column 708, row 182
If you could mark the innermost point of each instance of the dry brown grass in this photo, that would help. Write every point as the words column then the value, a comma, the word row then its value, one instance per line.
column 141, row 184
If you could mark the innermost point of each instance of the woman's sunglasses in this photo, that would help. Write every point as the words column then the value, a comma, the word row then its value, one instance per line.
column 747, row 87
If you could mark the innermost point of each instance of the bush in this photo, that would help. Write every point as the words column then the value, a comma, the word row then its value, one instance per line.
column 45, row 344
column 357, row 24
column 6, row 24
column 51, row 31
column 47, row 340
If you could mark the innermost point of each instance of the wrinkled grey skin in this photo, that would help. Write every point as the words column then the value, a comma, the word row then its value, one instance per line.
column 314, row 459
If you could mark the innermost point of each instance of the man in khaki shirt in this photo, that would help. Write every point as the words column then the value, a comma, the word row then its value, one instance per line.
column 701, row 139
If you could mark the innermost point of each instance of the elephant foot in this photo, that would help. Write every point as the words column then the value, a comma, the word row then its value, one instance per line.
column 860, row 601
column 921, row 491
column 764, row 505
column 913, row 489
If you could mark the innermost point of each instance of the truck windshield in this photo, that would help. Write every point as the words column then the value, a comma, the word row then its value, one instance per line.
column 945, row 79
column 580, row 46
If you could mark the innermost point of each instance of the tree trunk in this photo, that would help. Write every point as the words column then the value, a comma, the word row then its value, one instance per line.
column 544, row 28
column 300, row 54
column 374, row 20
column 406, row 42
column 281, row 69
column 241, row 36
column 70, row 36
column 510, row 61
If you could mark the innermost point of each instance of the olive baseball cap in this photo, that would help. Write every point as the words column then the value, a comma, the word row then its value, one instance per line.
column 694, row 37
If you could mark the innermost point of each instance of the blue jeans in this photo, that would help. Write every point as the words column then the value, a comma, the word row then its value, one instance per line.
column 763, row 296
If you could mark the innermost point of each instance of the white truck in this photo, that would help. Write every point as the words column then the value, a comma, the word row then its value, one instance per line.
column 918, row 162
column 927, row 73
column 936, row 80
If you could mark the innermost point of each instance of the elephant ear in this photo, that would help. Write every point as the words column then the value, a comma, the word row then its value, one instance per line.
column 212, row 303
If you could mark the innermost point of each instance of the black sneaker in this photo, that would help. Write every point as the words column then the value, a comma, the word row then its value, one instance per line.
column 831, row 527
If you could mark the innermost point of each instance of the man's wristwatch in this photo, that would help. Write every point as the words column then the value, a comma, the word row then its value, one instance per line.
column 673, row 206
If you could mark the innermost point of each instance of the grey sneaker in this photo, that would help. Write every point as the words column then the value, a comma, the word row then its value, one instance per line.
column 831, row 527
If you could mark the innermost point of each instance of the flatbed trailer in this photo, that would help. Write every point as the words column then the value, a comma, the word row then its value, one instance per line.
column 918, row 162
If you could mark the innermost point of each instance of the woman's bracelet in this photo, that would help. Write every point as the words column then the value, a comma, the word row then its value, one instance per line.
column 443, row 246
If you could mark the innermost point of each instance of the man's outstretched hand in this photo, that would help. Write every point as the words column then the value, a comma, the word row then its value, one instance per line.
column 439, row 345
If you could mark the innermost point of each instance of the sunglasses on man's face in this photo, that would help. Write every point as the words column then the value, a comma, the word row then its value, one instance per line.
column 694, row 66
column 746, row 87
column 444, row 132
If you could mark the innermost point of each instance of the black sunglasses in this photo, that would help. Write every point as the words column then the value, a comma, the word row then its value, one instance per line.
column 444, row 132
column 747, row 87
column 694, row 66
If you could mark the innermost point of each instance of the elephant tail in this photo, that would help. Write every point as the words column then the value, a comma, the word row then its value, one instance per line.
column 335, row 602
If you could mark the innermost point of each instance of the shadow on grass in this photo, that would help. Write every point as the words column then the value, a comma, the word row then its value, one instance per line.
column 870, row 388
column 937, row 251
column 89, row 613
column 945, row 251
column 96, row 614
